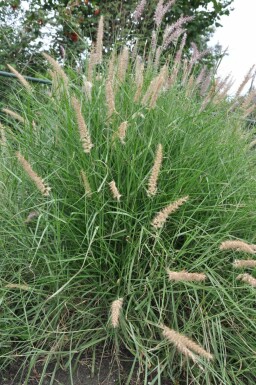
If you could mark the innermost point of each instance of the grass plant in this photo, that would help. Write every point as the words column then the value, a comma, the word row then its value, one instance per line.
column 105, row 199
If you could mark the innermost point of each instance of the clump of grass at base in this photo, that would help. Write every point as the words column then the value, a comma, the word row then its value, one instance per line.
column 84, row 266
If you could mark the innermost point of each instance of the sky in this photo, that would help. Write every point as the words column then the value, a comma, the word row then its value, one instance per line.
column 238, row 35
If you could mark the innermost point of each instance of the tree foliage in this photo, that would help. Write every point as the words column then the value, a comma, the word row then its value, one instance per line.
column 32, row 25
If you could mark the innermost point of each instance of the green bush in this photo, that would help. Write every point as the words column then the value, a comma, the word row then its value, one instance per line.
column 68, row 253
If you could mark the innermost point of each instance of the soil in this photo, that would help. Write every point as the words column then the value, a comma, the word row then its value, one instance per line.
column 108, row 374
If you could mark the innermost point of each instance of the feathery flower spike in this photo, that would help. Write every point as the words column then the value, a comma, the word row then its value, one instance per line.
column 32, row 215
column 139, row 10
column 115, row 193
column 57, row 68
column 247, row 278
column 161, row 10
column 157, row 57
column 110, row 98
column 249, row 111
column 14, row 115
column 45, row 190
column 99, row 41
column 91, row 64
column 152, row 183
column 139, row 78
column 161, row 80
column 185, row 276
column 247, row 77
column 252, row 144
column 123, row 64
column 3, row 139
column 86, row 184
column 83, row 130
column 87, row 88
column 21, row 78
column 240, row 263
column 111, row 67
column 17, row 286
column 237, row 246
column 160, row 218
column 121, row 132
column 116, row 308
column 185, row 344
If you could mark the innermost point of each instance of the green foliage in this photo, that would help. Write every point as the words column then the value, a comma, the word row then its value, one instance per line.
column 80, row 252
column 70, row 23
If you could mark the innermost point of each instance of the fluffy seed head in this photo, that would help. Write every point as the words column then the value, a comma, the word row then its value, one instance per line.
column 185, row 345
column 87, row 88
column 45, row 190
column 157, row 57
column 158, row 86
column 139, row 10
column 139, row 77
column 83, row 130
column 123, row 64
column 247, row 278
column 152, row 183
column 3, row 140
column 153, row 42
column 110, row 98
column 111, row 67
column 185, row 276
column 247, row 77
column 160, row 219
column 252, row 144
column 121, row 132
column 21, row 78
column 249, row 111
column 115, row 193
column 173, row 37
column 32, row 215
column 116, row 308
column 251, row 97
column 17, row 286
column 86, row 184
column 91, row 63
column 237, row 246
column 240, row 263
column 161, row 10
column 14, row 115
column 99, row 41
column 57, row 68
column 177, row 60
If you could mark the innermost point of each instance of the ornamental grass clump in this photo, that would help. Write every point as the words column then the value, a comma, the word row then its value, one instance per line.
column 150, row 198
